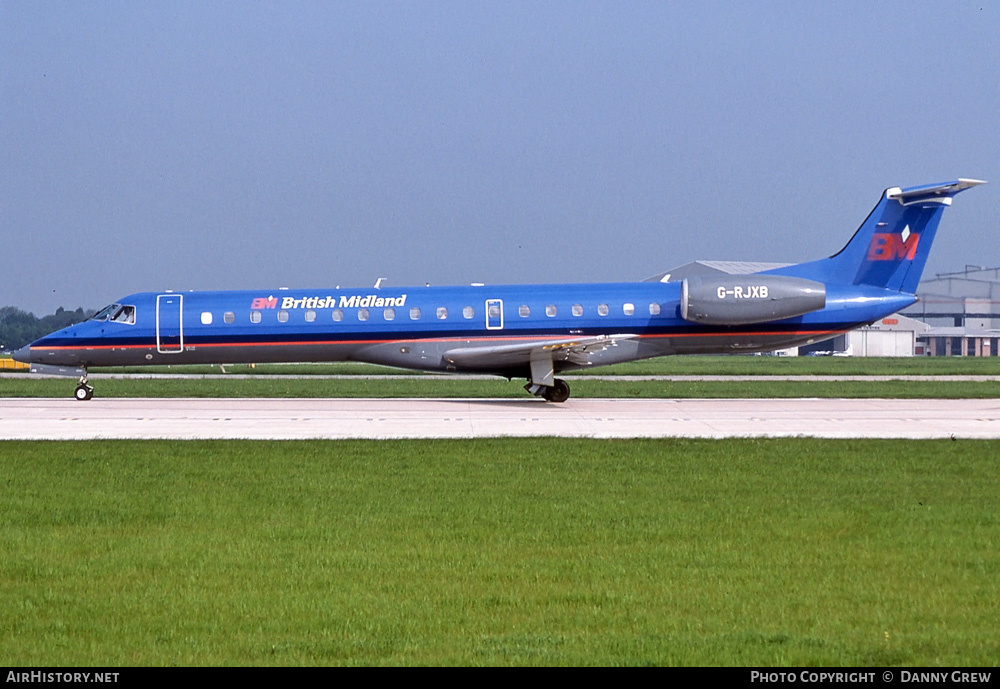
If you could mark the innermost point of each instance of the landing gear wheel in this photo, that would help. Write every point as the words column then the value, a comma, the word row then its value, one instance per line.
column 83, row 392
column 558, row 392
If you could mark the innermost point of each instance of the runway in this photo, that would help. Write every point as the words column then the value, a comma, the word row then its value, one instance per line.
column 279, row 419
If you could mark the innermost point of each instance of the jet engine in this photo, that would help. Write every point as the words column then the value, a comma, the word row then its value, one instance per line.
column 742, row 299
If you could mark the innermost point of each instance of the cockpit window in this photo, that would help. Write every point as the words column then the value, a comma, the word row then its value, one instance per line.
column 116, row 313
column 125, row 314
column 104, row 313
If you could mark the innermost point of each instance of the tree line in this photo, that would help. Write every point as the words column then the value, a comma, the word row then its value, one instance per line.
column 18, row 328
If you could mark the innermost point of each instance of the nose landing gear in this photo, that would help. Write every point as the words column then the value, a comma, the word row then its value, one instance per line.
column 83, row 391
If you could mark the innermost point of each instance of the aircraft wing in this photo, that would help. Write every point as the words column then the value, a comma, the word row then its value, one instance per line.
column 573, row 349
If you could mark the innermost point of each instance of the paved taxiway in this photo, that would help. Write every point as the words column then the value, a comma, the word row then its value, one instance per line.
column 270, row 419
column 471, row 376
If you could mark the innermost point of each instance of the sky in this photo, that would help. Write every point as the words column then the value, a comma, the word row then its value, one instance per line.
column 256, row 145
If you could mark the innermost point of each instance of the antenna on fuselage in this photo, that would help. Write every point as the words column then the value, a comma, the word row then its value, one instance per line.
column 378, row 283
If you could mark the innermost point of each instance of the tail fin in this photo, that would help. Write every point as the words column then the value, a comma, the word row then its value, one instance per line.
column 890, row 248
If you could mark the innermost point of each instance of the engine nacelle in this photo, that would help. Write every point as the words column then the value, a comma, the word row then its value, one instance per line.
column 742, row 299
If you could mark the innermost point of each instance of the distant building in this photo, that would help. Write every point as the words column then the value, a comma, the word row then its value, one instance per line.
column 714, row 268
column 969, row 299
column 963, row 309
column 893, row 336
column 952, row 341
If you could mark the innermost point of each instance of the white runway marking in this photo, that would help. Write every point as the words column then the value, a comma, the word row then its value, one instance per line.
column 275, row 419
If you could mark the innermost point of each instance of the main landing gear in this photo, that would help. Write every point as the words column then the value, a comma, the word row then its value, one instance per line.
column 557, row 392
column 83, row 391
column 542, row 383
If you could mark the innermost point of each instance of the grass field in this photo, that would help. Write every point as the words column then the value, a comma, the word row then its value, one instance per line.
column 495, row 552
column 445, row 386
column 412, row 384
column 669, row 365
column 664, row 366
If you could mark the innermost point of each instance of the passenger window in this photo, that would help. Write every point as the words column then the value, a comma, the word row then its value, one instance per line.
column 654, row 309
column 550, row 310
column 389, row 314
column 206, row 318
column 577, row 310
column 494, row 311
column 310, row 316
column 255, row 316
column 282, row 316
column 629, row 309
column 415, row 313
column 338, row 315
column 523, row 311
column 468, row 312
column 229, row 317
column 602, row 309
column 362, row 314
column 442, row 312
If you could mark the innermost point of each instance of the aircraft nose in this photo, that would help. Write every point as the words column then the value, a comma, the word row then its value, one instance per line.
column 23, row 354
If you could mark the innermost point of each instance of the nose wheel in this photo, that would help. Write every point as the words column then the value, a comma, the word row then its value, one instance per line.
column 83, row 391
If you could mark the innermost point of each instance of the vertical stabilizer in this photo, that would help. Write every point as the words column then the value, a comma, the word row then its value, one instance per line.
column 890, row 248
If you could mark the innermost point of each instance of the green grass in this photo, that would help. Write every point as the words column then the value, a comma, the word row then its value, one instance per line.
column 415, row 384
column 670, row 365
column 665, row 366
column 495, row 552
column 441, row 386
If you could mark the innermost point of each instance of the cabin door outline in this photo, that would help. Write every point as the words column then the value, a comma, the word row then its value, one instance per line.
column 170, row 323
column 494, row 314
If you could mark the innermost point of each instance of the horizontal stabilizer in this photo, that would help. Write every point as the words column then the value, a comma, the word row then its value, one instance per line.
column 941, row 193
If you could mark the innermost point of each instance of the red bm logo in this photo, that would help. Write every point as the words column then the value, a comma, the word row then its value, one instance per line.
column 892, row 247
column 264, row 303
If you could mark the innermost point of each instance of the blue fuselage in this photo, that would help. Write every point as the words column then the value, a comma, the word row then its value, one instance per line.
column 413, row 327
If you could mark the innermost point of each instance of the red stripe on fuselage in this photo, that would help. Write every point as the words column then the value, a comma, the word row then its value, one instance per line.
column 519, row 338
